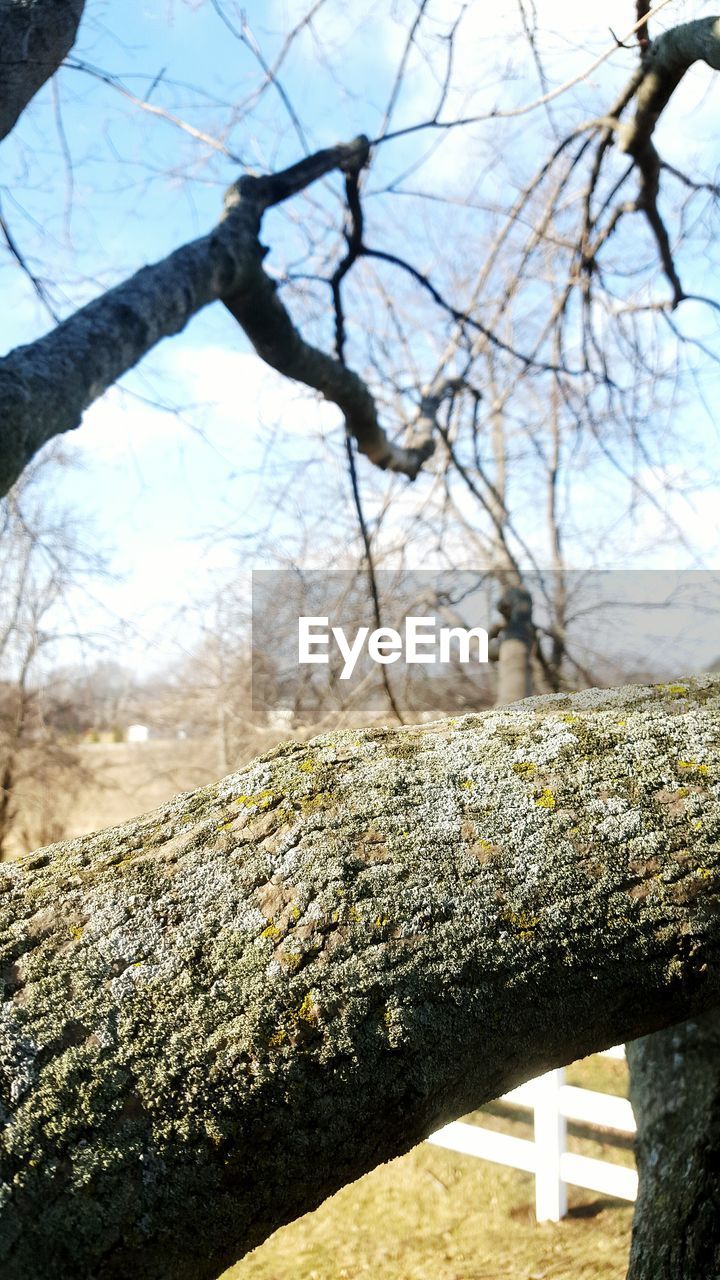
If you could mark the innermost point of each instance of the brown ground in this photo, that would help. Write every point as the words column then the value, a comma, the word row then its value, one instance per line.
column 124, row 779
column 133, row 777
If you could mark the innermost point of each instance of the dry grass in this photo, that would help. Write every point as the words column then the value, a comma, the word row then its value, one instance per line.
column 126, row 779
column 133, row 777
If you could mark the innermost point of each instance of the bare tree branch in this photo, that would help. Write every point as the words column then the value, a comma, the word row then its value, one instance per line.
column 664, row 66
column 513, row 112
column 114, row 82
column 642, row 9
column 45, row 387
column 35, row 36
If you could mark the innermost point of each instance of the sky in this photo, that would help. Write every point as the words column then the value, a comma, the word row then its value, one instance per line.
column 95, row 187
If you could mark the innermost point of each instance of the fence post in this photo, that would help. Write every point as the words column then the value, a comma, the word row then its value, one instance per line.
column 550, row 1142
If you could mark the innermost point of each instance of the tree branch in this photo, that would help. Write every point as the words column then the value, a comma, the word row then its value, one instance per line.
column 219, row 1013
column 46, row 387
column 664, row 65
column 35, row 36
column 642, row 9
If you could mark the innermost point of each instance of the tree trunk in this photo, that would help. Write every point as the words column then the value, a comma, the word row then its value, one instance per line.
column 218, row 1014
column 675, row 1092
column 516, row 640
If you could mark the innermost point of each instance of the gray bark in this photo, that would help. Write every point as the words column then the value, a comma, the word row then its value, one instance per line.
column 218, row 1014
column 664, row 65
column 515, row 677
column 35, row 36
column 675, row 1092
column 46, row 387
column 514, row 671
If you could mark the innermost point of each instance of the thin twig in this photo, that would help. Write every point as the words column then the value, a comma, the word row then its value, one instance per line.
column 76, row 64
column 246, row 36
column 513, row 112
column 462, row 317
column 353, row 236
column 35, row 281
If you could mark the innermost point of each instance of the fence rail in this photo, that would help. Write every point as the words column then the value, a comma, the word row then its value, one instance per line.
column 553, row 1103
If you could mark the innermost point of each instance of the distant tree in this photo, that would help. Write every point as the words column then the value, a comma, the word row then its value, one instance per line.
column 42, row 562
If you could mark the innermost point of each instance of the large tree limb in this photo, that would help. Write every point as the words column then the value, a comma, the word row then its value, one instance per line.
column 216, row 1015
column 46, row 387
column 35, row 36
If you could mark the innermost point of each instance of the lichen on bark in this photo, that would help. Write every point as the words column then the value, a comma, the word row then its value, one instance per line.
column 216, row 1015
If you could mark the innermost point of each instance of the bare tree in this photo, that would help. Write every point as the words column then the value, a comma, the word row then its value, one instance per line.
column 42, row 562
column 46, row 386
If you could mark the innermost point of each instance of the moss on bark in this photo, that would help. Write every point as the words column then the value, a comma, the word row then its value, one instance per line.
column 216, row 1015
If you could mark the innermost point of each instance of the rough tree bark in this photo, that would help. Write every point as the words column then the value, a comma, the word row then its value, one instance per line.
column 35, row 36
column 675, row 1092
column 216, row 1015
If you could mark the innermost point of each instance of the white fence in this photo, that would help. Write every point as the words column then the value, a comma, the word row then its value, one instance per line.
column 553, row 1103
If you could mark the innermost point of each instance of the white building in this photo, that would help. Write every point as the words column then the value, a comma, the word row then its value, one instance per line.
column 137, row 733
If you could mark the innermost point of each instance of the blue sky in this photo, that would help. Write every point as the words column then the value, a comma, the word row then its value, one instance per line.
column 154, row 484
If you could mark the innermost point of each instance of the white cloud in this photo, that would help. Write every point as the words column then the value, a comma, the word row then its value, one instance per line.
column 116, row 424
column 217, row 390
column 244, row 390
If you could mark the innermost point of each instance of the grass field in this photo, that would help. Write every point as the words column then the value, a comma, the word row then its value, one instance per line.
column 433, row 1215
column 133, row 777
column 123, row 780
